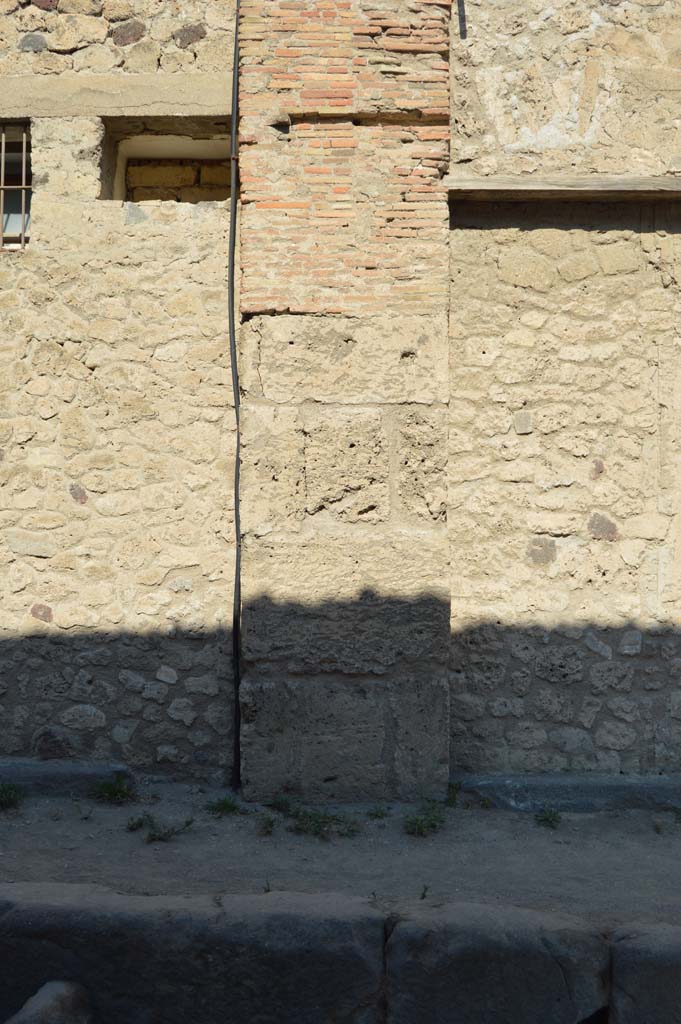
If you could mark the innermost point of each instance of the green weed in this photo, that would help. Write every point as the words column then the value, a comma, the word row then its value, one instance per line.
column 430, row 819
column 548, row 818
column 160, row 833
column 135, row 824
column 267, row 825
column 117, row 791
column 224, row 806
column 321, row 824
column 282, row 804
column 157, row 832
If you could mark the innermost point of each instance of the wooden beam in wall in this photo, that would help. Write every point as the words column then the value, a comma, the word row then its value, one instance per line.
column 593, row 188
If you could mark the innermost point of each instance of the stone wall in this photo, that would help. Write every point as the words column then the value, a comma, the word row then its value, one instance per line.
column 563, row 498
column 53, row 37
column 117, row 440
column 563, row 503
column 460, row 542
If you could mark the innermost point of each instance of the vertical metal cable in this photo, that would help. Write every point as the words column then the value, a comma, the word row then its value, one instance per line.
column 3, row 159
column 236, row 609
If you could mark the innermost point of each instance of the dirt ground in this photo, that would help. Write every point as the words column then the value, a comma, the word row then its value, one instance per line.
column 609, row 867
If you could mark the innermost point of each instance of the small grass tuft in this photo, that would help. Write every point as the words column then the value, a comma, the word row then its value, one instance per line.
column 548, row 818
column 10, row 796
column 282, row 804
column 267, row 825
column 135, row 824
column 159, row 833
column 378, row 813
column 117, row 791
column 430, row 819
column 321, row 824
column 305, row 821
column 312, row 823
column 346, row 828
column 224, row 806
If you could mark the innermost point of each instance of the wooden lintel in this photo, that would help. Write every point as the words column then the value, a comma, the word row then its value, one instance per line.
column 592, row 188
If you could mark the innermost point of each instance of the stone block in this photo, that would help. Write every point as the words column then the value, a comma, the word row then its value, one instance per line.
column 421, row 443
column 346, row 360
column 160, row 175
column 346, row 602
column 272, row 469
column 646, row 974
column 347, row 465
column 494, row 965
column 275, row 957
column 56, row 1003
column 345, row 739
column 215, row 174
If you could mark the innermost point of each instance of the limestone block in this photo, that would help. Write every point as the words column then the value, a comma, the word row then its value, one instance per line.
column 346, row 602
column 345, row 739
column 345, row 359
column 74, row 31
column 422, row 453
column 273, row 471
column 646, row 972
column 527, row 270
column 346, row 465
column 91, row 7
column 480, row 965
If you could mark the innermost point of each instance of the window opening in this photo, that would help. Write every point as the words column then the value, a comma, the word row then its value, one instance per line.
column 15, row 185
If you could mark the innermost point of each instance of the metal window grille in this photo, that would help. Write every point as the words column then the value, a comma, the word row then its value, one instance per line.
column 15, row 184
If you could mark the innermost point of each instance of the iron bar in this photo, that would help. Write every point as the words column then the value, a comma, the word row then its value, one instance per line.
column 15, row 177
column 23, row 186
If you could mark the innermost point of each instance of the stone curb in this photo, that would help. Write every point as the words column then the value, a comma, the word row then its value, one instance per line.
column 577, row 793
column 324, row 959
column 495, row 965
column 58, row 778
column 646, row 975
column 275, row 957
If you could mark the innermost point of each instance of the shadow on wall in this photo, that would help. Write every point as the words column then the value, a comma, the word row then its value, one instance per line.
column 155, row 701
column 345, row 699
